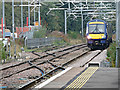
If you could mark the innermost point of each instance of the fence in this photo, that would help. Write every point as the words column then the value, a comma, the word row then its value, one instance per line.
column 38, row 42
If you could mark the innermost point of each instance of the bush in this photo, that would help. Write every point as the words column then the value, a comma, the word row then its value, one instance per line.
column 40, row 33
column 3, row 54
column 2, row 51
column 73, row 34
column 111, row 53
column 59, row 35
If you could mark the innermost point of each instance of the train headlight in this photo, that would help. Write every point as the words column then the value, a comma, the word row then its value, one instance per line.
column 89, row 37
column 104, row 36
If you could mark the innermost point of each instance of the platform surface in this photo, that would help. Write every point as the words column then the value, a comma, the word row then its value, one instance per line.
column 103, row 78
column 64, row 79
column 100, row 78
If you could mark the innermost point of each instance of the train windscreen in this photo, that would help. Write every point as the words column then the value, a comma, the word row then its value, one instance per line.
column 96, row 28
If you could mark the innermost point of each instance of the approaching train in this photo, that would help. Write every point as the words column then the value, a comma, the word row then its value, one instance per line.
column 99, row 34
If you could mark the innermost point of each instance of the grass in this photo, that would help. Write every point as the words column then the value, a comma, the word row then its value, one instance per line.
column 59, row 42
column 30, row 50
column 16, row 47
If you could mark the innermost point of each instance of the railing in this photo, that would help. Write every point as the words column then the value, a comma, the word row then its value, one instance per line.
column 38, row 42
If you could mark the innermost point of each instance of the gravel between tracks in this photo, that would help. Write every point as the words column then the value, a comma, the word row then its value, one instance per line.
column 31, row 74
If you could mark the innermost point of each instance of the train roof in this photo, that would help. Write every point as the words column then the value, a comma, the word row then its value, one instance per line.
column 97, row 20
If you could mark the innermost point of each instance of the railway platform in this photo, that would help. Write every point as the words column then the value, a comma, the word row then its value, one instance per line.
column 93, row 78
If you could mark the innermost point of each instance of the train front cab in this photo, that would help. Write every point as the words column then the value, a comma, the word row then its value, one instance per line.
column 97, row 34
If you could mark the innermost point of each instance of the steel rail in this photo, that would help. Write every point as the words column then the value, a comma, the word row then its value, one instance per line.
column 29, row 67
column 40, row 57
column 92, row 58
column 29, row 84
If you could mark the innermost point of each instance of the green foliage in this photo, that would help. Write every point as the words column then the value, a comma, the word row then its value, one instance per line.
column 40, row 33
column 53, row 21
column 17, row 15
column 74, row 25
column 111, row 53
column 3, row 54
column 2, row 51
column 73, row 34
column 0, row 10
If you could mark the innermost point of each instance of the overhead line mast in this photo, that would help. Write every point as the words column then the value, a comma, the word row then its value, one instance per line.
column 83, row 8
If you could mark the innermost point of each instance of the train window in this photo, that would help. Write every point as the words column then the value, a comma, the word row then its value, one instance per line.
column 96, row 28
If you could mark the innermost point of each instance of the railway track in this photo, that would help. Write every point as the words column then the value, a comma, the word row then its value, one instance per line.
column 44, row 66
column 26, row 86
column 39, row 79
column 13, row 70
column 23, row 64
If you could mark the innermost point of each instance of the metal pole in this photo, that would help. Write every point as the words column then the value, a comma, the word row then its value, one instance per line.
column 29, row 14
column 116, row 62
column 118, row 34
column 3, row 20
column 39, row 14
column 69, row 5
column 86, row 2
column 22, row 16
column 82, row 21
column 9, row 50
column 34, row 14
column 13, row 28
column 65, row 23
column 0, row 10
column 13, row 19
column 82, row 25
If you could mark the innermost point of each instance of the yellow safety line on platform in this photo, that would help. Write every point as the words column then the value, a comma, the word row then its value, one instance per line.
column 82, row 79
